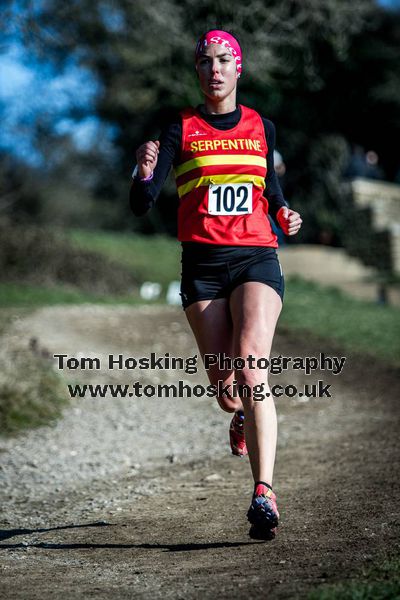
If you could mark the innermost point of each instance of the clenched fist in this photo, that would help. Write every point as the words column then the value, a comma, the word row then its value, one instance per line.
column 146, row 156
column 289, row 220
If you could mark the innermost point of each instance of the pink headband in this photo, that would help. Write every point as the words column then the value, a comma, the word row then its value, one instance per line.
column 223, row 38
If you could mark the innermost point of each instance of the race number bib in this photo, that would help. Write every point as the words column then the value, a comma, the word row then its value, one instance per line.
column 230, row 199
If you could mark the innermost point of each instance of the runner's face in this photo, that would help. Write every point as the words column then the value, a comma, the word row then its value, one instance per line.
column 217, row 72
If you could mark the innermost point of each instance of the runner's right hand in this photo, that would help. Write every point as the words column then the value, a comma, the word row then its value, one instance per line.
column 147, row 156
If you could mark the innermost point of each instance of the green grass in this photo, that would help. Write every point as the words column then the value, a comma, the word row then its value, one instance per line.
column 381, row 582
column 356, row 325
column 155, row 258
column 26, row 295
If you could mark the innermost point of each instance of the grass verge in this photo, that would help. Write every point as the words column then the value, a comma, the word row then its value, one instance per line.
column 356, row 325
column 155, row 258
column 31, row 393
column 28, row 295
column 381, row 582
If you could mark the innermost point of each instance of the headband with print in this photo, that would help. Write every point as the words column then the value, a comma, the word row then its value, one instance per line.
column 223, row 38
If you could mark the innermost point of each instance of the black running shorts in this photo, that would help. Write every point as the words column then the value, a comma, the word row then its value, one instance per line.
column 212, row 271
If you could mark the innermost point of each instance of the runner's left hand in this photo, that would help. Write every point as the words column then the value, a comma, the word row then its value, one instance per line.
column 289, row 220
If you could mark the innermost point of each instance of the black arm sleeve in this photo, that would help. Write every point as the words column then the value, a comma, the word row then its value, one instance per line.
column 143, row 194
column 272, row 191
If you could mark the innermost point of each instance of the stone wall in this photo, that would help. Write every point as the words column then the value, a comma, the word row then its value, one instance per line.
column 383, row 199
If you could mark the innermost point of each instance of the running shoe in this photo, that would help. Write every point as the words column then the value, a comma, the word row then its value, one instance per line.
column 236, row 434
column 263, row 515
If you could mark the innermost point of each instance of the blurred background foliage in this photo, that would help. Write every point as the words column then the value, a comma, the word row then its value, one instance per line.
column 325, row 71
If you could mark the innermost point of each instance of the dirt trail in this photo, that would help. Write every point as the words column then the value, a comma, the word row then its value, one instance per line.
column 141, row 499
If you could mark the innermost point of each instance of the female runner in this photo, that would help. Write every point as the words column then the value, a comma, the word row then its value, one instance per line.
column 232, row 283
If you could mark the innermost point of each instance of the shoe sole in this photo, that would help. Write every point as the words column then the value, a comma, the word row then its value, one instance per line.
column 263, row 520
column 262, row 534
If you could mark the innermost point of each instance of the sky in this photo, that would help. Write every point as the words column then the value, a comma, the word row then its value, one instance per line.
column 25, row 92
column 28, row 91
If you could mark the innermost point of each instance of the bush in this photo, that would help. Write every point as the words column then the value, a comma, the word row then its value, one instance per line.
column 35, row 255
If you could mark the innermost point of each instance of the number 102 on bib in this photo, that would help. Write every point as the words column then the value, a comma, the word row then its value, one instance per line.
column 230, row 199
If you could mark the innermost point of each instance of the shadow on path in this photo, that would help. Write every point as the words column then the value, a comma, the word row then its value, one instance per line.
column 5, row 534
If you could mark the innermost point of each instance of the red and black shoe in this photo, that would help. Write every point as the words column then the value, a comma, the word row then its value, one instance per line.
column 236, row 434
column 263, row 513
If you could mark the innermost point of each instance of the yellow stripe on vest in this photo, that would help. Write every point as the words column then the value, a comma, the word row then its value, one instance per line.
column 212, row 179
column 220, row 159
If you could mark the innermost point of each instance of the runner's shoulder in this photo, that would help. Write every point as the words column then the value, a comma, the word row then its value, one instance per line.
column 267, row 122
column 171, row 124
column 269, row 128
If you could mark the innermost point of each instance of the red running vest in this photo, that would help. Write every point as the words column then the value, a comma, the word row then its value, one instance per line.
column 220, row 181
